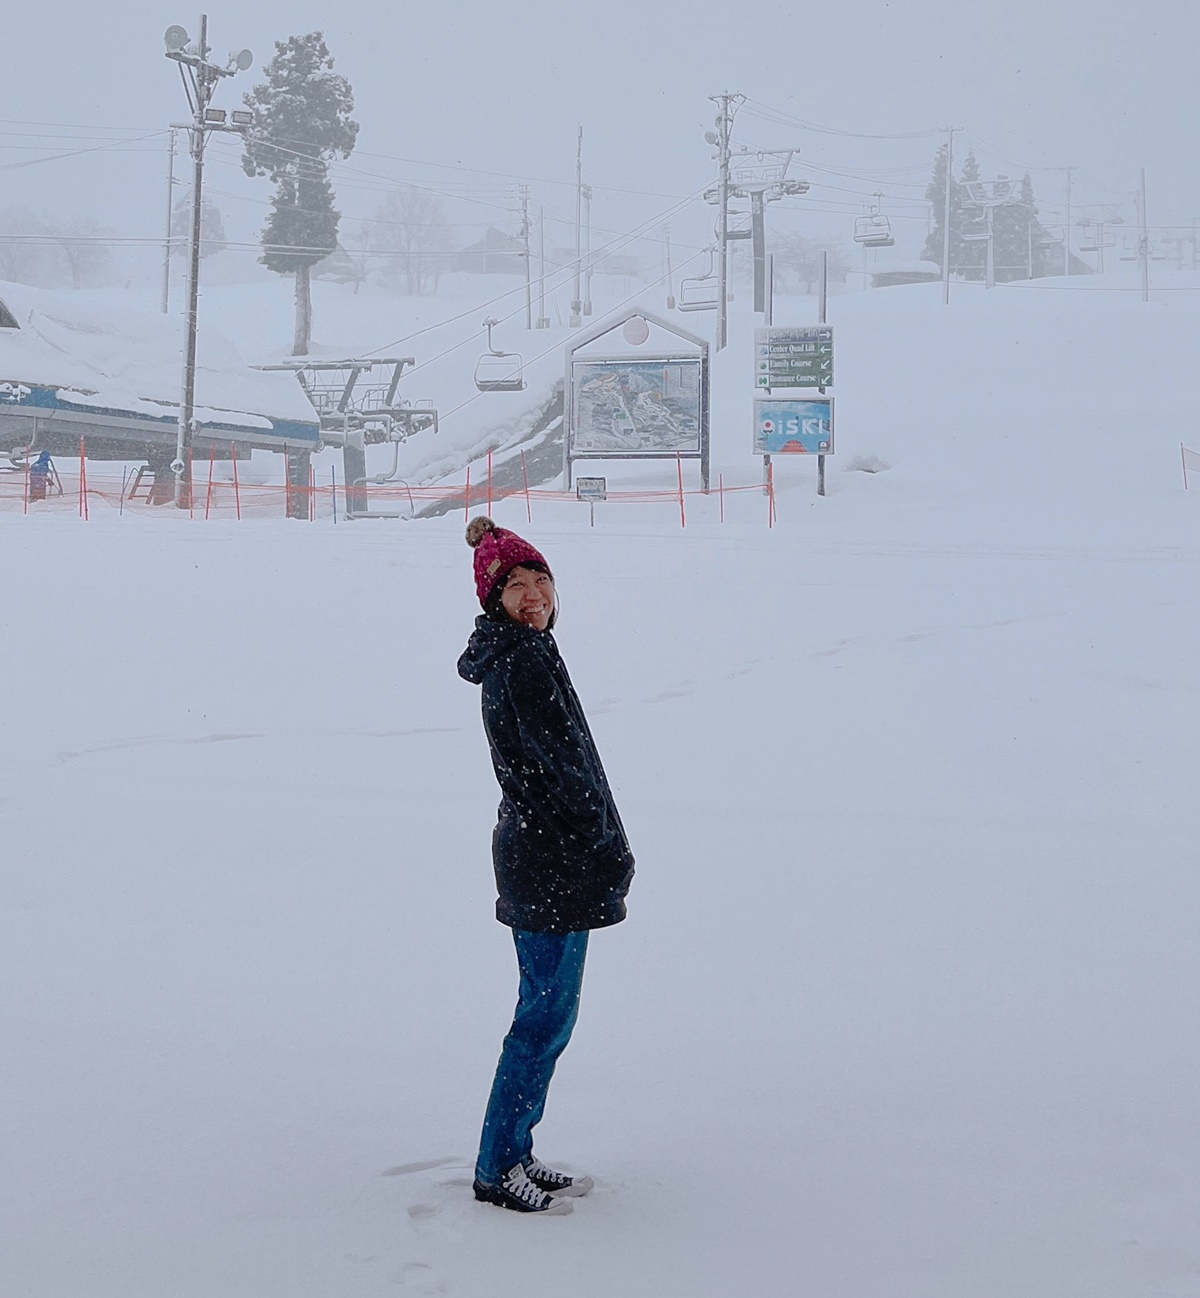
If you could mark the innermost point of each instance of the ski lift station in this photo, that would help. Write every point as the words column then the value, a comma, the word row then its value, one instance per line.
column 109, row 376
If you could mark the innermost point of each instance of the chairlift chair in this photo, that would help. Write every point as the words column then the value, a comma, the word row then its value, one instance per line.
column 701, row 292
column 498, row 371
column 873, row 232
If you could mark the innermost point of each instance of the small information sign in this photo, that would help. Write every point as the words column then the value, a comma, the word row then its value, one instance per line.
column 793, row 426
column 591, row 488
column 794, row 358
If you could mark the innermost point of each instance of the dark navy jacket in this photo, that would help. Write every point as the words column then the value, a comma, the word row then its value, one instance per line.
column 562, row 860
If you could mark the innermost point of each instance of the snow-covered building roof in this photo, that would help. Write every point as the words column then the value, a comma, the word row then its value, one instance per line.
column 76, row 357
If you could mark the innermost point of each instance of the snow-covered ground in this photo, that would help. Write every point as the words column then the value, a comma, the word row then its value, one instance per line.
column 906, row 1006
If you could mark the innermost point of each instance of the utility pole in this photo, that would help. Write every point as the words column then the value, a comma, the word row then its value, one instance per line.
column 1067, row 231
column 728, row 104
column 199, row 81
column 946, row 217
column 166, row 281
column 543, row 321
column 524, row 191
column 670, row 273
column 576, row 317
column 1144, row 241
column 587, row 246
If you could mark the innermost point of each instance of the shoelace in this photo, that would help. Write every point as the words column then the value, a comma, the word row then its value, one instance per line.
column 521, row 1187
column 536, row 1167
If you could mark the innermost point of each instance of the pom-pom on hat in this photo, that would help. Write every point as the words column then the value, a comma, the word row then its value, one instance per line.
column 497, row 552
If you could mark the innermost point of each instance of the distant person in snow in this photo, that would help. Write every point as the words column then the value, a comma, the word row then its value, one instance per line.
column 562, row 861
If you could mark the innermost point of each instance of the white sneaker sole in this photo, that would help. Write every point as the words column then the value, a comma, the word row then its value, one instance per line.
column 580, row 1186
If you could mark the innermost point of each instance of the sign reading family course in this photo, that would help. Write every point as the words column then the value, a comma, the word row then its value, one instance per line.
column 794, row 358
column 793, row 426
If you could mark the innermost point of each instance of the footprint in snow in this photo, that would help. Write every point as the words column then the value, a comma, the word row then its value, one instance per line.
column 420, row 1278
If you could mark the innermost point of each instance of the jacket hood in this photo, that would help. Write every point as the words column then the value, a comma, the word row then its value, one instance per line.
column 489, row 642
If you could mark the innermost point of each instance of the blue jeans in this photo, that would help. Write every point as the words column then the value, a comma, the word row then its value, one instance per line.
column 551, row 966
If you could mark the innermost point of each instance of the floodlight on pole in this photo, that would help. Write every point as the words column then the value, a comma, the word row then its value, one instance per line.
column 200, row 78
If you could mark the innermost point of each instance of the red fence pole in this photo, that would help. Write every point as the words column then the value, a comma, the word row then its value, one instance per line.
column 312, row 495
column 489, row 489
column 771, row 495
column 212, row 451
column 29, row 452
column 237, row 495
column 721, row 494
column 83, row 505
column 191, row 488
column 467, row 496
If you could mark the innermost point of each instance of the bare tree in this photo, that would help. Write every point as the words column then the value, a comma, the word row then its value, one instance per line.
column 412, row 226
column 25, row 249
column 798, row 261
column 82, row 243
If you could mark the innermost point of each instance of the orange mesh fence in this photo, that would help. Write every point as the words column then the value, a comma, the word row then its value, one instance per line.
column 82, row 488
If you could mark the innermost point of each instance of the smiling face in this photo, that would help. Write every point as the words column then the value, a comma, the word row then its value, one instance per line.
column 528, row 597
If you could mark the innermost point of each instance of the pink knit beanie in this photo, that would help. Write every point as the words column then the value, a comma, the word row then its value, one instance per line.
column 497, row 552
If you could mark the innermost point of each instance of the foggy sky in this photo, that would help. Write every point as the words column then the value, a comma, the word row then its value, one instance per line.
column 1106, row 87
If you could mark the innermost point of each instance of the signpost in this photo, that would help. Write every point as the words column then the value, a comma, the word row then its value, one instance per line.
column 591, row 490
column 793, row 358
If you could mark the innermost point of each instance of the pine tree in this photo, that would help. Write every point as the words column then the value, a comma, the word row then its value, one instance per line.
column 969, row 255
column 935, row 193
column 966, row 255
column 301, row 124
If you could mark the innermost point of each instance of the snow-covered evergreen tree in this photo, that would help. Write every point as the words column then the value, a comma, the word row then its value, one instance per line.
column 301, row 124
column 212, row 227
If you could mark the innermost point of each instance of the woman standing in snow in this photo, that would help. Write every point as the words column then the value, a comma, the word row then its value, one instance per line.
column 562, row 861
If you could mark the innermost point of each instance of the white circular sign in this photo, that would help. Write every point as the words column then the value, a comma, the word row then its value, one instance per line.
column 636, row 331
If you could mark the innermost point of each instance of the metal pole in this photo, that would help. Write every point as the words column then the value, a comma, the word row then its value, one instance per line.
column 587, row 246
column 823, row 299
column 528, row 268
column 723, row 238
column 670, row 273
column 946, row 217
column 183, row 438
column 543, row 322
column 1144, row 243
column 770, row 303
column 990, row 274
column 166, row 282
column 576, row 318
column 1067, row 231
column 823, row 305
column 759, row 232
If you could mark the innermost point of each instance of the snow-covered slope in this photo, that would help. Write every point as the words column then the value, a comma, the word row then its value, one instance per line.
column 906, row 1003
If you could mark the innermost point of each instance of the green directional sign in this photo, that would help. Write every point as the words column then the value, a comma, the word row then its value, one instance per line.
column 794, row 358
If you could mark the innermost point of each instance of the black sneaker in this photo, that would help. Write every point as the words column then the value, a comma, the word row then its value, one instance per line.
column 558, row 1184
column 518, row 1192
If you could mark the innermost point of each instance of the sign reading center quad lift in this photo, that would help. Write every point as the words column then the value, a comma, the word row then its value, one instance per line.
column 793, row 358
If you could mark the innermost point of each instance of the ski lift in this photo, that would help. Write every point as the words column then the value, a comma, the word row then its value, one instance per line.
column 701, row 292
column 498, row 371
column 874, row 230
